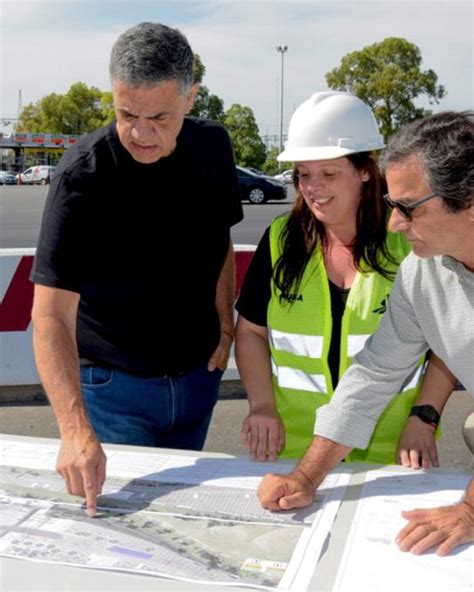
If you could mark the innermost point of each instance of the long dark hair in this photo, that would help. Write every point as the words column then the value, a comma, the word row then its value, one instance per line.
column 303, row 232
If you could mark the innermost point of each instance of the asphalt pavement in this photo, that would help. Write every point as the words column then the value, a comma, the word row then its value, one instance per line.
column 21, row 208
column 22, row 415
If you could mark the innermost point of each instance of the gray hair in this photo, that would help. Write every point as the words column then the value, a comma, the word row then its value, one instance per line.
column 151, row 53
column 444, row 142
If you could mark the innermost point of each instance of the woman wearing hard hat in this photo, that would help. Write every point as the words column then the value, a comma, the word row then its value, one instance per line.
column 317, row 287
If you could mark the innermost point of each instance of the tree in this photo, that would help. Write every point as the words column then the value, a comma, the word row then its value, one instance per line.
column 107, row 107
column 271, row 166
column 387, row 76
column 199, row 69
column 206, row 104
column 80, row 110
column 249, row 149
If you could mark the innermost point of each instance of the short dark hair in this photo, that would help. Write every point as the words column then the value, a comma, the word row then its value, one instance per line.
column 444, row 143
column 151, row 53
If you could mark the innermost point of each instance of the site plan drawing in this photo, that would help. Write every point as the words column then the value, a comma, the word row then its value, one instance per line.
column 184, row 517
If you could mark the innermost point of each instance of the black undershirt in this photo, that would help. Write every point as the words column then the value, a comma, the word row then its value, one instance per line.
column 338, row 303
column 255, row 296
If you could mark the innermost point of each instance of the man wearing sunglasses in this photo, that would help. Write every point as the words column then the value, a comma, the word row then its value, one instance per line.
column 429, row 166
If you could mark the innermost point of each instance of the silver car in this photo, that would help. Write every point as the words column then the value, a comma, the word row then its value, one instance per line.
column 285, row 176
column 7, row 178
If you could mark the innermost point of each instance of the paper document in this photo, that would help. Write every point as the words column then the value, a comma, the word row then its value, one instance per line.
column 373, row 562
column 192, row 518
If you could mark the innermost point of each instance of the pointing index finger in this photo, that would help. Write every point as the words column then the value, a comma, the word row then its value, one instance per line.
column 90, row 490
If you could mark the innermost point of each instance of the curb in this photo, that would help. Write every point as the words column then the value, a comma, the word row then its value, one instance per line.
column 18, row 394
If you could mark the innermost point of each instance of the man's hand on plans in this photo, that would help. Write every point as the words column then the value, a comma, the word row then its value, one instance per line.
column 81, row 461
column 444, row 528
column 285, row 492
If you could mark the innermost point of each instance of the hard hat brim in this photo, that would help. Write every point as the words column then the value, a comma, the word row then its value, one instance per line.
column 301, row 154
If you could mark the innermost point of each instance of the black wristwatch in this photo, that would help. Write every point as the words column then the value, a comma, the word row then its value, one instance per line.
column 426, row 413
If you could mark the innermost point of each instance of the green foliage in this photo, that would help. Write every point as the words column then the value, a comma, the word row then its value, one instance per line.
column 80, row 110
column 199, row 69
column 388, row 76
column 271, row 166
column 249, row 150
column 107, row 107
column 208, row 106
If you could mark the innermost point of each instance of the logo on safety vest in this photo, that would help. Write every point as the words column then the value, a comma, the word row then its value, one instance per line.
column 383, row 306
column 294, row 297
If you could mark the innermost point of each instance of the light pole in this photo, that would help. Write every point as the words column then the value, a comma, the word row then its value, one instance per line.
column 281, row 49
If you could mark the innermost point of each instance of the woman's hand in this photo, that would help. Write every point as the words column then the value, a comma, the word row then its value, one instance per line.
column 417, row 446
column 263, row 434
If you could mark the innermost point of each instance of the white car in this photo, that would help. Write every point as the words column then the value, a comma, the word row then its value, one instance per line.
column 37, row 175
column 285, row 176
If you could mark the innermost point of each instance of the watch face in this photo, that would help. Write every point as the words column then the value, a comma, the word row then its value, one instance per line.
column 429, row 413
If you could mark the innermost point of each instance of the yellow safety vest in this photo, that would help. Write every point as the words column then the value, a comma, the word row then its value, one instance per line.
column 300, row 335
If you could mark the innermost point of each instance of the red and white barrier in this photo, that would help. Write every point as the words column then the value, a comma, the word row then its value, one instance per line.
column 17, row 366
column 243, row 256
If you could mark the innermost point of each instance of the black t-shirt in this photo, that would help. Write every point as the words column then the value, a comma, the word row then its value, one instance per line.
column 143, row 244
column 255, row 296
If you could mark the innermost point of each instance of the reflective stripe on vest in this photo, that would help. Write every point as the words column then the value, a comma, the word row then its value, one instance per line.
column 415, row 379
column 355, row 343
column 297, row 379
column 294, row 343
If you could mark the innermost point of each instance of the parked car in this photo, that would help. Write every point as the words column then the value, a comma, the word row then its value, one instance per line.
column 285, row 176
column 256, row 171
column 258, row 189
column 37, row 175
column 7, row 178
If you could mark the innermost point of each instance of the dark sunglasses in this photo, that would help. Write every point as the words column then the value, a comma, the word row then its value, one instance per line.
column 407, row 209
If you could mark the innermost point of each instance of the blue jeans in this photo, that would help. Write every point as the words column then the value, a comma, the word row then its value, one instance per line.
column 162, row 412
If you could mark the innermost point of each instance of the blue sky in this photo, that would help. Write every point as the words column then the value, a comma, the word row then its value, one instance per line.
column 48, row 45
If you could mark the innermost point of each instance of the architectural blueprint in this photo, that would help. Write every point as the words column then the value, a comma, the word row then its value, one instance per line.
column 185, row 517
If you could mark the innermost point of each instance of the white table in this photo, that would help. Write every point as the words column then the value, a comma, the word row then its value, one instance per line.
column 21, row 575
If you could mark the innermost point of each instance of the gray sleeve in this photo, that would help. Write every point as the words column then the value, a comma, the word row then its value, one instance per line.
column 387, row 362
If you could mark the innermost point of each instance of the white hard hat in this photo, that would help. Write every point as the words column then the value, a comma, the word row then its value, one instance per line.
column 331, row 125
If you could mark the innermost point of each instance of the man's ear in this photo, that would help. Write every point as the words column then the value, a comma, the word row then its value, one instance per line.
column 191, row 96
column 470, row 211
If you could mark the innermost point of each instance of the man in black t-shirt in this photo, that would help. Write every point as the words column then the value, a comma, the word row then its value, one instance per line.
column 134, row 270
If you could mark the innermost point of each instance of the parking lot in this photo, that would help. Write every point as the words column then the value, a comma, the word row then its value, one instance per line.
column 21, row 208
